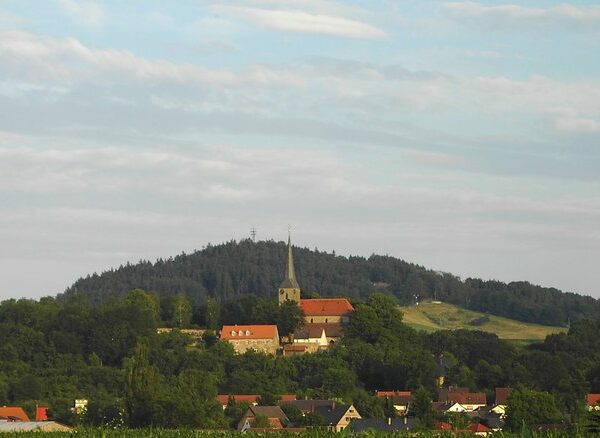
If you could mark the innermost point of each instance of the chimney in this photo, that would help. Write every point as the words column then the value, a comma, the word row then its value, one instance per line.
column 405, row 420
column 333, row 405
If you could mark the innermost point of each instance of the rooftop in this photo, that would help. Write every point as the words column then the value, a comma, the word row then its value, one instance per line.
column 230, row 332
column 326, row 307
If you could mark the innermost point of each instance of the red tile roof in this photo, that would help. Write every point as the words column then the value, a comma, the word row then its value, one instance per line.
column 467, row 398
column 593, row 399
column 13, row 413
column 294, row 347
column 477, row 427
column 326, row 307
column 249, row 332
column 393, row 393
column 502, row 395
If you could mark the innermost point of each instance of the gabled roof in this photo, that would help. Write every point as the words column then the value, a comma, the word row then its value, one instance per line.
column 13, row 413
column 332, row 414
column 232, row 332
column 502, row 395
column 593, row 399
column 477, row 428
column 326, row 307
column 268, row 411
column 444, row 392
column 315, row 330
column 467, row 398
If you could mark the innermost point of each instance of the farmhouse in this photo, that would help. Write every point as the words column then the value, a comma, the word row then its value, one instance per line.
column 264, row 338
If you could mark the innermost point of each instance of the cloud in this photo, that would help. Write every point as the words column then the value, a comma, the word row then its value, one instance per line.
column 511, row 14
column 87, row 13
column 585, row 126
column 298, row 21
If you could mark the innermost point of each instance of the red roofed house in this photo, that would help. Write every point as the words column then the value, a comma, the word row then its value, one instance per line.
column 275, row 416
column 400, row 399
column 263, row 338
column 478, row 429
column 12, row 413
column 501, row 401
column 326, row 310
column 593, row 402
column 461, row 400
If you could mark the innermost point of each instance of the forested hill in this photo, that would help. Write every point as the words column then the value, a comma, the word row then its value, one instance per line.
column 232, row 269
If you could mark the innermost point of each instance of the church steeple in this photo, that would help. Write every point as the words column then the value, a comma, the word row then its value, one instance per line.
column 289, row 288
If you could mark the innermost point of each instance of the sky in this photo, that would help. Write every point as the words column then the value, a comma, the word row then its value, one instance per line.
column 462, row 136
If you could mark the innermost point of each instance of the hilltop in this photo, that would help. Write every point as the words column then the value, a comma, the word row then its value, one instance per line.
column 234, row 269
column 436, row 315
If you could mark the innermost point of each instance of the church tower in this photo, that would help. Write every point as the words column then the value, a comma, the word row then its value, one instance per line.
column 289, row 288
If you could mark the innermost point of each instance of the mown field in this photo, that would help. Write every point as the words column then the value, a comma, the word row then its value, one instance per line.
column 184, row 433
column 431, row 316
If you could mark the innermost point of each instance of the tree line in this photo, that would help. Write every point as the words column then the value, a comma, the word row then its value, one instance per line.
column 55, row 351
column 235, row 269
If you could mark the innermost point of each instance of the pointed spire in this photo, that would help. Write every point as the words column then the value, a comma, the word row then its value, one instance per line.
column 290, row 274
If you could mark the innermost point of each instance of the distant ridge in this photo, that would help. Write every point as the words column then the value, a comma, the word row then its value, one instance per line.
column 229, row 270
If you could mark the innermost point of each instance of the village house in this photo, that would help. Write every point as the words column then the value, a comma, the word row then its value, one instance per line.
column 400, row 399
column 501, row 401
column 337, row 416
column 275, row 417
column 318, row 336
column 456, row 399
column 593, row 402
column 263, row 338
column 12, row 413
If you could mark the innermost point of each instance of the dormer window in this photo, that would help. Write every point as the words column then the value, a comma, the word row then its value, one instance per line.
column 232, row 332
column 248, row 333
column 241, row 333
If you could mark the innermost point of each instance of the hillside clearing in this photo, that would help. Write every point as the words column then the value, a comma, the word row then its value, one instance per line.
column 432, row 316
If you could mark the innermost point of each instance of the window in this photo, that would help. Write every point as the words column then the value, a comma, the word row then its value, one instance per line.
column 232, row 332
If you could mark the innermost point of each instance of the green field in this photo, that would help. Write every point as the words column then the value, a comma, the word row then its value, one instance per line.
column 433, row 316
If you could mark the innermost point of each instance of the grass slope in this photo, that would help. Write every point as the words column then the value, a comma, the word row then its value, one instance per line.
column 432, row 316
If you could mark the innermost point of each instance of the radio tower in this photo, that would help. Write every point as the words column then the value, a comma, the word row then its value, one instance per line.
column 253, row 234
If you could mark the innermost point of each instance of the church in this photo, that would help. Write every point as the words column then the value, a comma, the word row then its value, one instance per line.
column 323, row 317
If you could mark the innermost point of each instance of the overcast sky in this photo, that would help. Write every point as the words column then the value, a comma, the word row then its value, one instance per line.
column 463, row 136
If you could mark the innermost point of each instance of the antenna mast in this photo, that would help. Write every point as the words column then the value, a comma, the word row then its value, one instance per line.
column 253, row 233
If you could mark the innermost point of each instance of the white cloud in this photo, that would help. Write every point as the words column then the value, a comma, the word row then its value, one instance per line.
column 510, row 14
column 87, row 13
column 299, row 21
column 577, row 125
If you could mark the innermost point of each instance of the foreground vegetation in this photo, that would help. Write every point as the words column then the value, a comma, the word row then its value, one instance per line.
column 434, row 316
column 186, row 433
column 53, row 352
column 235, row 269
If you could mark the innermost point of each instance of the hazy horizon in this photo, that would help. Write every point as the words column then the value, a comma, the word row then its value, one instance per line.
column 462, row 136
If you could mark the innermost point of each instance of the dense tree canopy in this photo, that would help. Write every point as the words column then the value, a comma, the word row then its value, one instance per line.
column 55, row 351
column 238, row 269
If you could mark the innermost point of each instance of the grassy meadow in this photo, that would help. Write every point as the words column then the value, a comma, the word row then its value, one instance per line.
column 433, row 316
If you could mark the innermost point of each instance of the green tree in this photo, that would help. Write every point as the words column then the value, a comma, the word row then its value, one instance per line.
column 144, row 301
column 289, row 318
column 422, row 407
column 529, row 408
column 212, row 314
column 177, row 311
